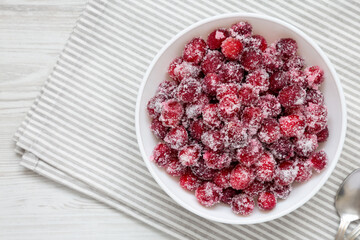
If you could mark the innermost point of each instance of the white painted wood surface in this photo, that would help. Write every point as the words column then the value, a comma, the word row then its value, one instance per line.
column 32, row 34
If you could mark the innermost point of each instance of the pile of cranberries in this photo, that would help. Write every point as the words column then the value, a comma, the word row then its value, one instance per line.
column 241, row 120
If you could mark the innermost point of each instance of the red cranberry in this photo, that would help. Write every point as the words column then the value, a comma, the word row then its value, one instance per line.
column 154, row 105
column 292, row 125
column 228, row 194
column 226, row 90
column 229, row 107
column 272, row 60
column 287, row 47
column 202, row 171
column 319, row 160
column 167, row 88
column 294, row 62
column 242, row 204
column 231, row 48
column 175, row 168
column 255, row 188
column 196, row 129
column 241, row 28
column 213, row 62
column 208, row 194
column 281, row 192
column 216, row 37
column 278, row 80
column 314, row 76
column 213, row 139
column 189, row 181
column 211, row 83
column 193, row 110
column 270, row 131
column 189, row 155
column 210, row 115
column 282, row 149
column 195, row 50
column 285, row 173
column 188, row 90
column 252, row 118
column 161, row 154
column 265, row 167
column 171, row 113
column 259, row 79
column 231, row 72
column 174, row 65
column 250, row 154
column 323, row 135
column 216, row 160
column 179, row 69
column 292, row 95
column 248, row 95
column 258, row 41
column 266, row 201
column 251, row 59
column 234, row 134
column 297, row 77
column 306, row 144
column 316, row 118
column 304, row 173
column 241, row 177
column 222, row 178
column 269, row 105
column 177, row 137
column 314, row 96
column 158, row 129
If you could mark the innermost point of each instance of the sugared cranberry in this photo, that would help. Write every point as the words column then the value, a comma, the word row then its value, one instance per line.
column 222, row 178
column 189, row 181
column 167, row 88
column 189, row 155
column 227, row 195
column 194, row 110
column 227, row 89
column 229, row 107
column 314, row 76
column 297, row 77
column 248, row 94
column 158, row 129
column 292, row 125
column 171, row 113
column 175, row 168
column 269, row 131
column 250, row 154
column 269, row 105
column 208, row 194
column 306, row 144
column 242, row 204
column 154, row 106
column 287, row 47
column 323, row 135
column 179, row 69
column 194, row 51
column 231, row 72
column 319, row 160
column 202, row 171
column 282, row 149
column 241, row 28
column 316, row 118
column 211, row 83
column 234, row 134
column 258, row 41
column 161, row 154
column 304, row 173
column 266, row 201
column 177, row 137
column 259, row 79
column 216, row 160
column 294, row 62
column 210, row 115
column 213, row 139
column 174, row 65
column 251, row 59
column 314, row 96
column 281, row 192
column 196, row 129
column 295, row 110
column 265, row 167
column 216, row 37
column 278, row 80
column 292, row 95
column 241, row 177
column 255, row 188
column 252, row 118
column 231, row 48
column 188, row 90
column 213, row 62
column 272, row 60
column 285, row 173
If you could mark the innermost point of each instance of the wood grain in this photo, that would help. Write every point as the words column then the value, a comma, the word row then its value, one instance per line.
column 32, row 34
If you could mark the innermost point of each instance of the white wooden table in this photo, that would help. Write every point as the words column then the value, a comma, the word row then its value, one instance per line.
column 32, row 34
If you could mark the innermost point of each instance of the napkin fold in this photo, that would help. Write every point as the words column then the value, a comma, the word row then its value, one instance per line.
column 80, row 130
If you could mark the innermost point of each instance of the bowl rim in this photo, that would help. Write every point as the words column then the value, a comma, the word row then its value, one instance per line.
column 338, row 87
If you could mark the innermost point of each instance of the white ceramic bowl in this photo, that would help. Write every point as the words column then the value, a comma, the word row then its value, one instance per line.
column 272, row 29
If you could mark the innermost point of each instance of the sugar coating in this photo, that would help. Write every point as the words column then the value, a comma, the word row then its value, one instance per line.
column 242, row 204
column 208, row 194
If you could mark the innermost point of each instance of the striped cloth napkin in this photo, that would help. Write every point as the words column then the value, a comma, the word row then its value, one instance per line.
column 80, row 131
